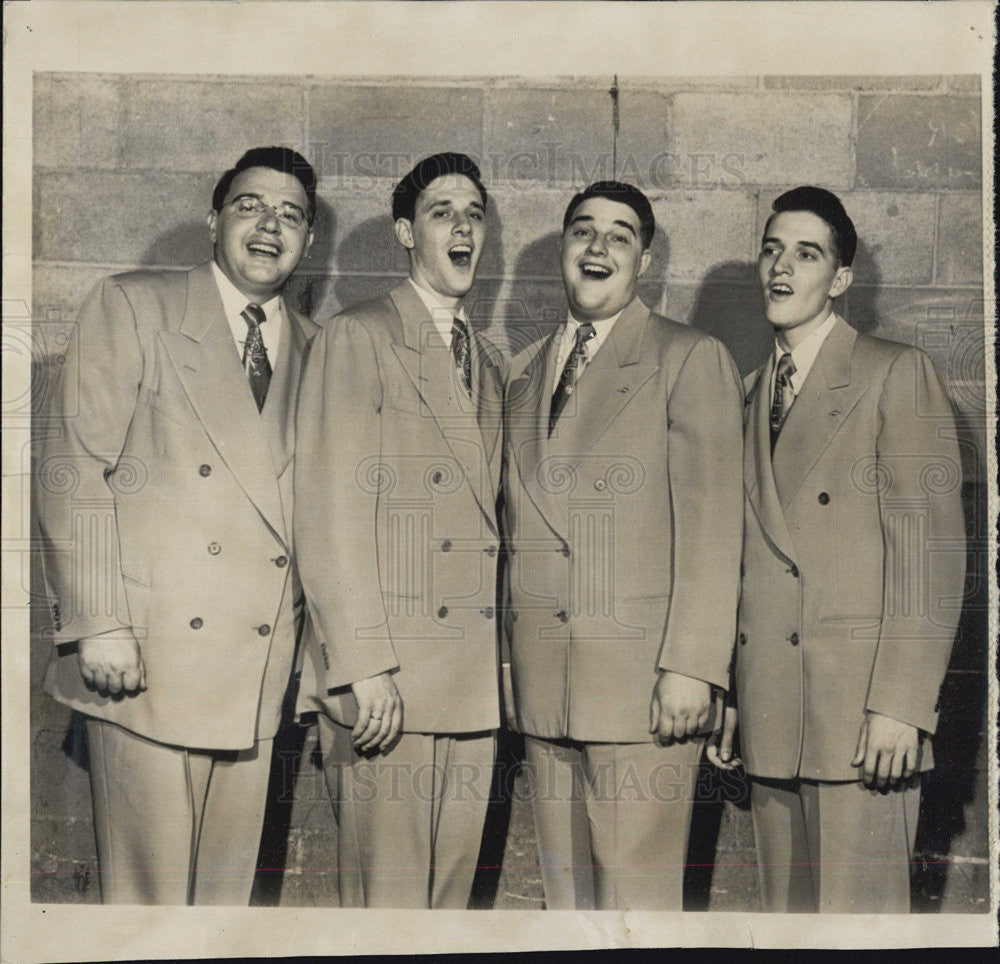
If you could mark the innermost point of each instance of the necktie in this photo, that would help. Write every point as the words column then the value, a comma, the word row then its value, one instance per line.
column 255, row 362
column 575, row 365
column 783, row 396
column 460, row 351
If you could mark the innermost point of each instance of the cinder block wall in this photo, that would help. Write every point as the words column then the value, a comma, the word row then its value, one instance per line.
column 124, row 167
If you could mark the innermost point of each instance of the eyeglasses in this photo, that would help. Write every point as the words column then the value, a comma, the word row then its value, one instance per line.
column 251, row 206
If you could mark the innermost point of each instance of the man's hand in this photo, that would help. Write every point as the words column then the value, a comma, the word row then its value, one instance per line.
column 380, row 713
column 679, row 707
column 720, row 748
column 112, row 663
column 888, row 750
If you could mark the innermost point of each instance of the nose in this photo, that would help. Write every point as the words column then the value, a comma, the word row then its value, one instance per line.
column 782, row 264
column 462, row 224
column 268, row 220
column 597, row 245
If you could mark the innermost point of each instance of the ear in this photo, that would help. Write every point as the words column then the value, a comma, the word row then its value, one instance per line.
column 644, row 260
column 404, row 233
column 212, row 220
column 310, row 237
column 841, row 282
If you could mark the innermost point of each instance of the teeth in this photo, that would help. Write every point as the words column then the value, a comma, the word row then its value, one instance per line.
column 595, row 270
column 461, row 249
column 263, row 248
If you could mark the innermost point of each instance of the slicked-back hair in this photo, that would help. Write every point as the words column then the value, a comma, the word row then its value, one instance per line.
column 624, row 194
column 406, row 192
column 282, row 159
column 826, row 206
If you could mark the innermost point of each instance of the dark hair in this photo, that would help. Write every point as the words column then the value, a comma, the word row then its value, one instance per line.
column 623, row 194
column 825, row 205
column 282, row 159
column 406, row 192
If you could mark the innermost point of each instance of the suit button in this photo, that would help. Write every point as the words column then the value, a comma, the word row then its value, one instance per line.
column 264, row 630
column 281, row 562
column 743, row 639
column 600, row 485
column 488, row 612
column 794, row 639
column 564, row 551
column 197, row 622
column 562, row 616
column 205, row 470
column 442, row 612
column 794, row 570
column 214, row 548
column 490, row 551
column 436, row 478
column 446, row 545
column 823, row 498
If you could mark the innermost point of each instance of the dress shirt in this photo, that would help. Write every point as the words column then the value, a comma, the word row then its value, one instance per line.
column 233, row 303
column 803, row 355
column 567, row 338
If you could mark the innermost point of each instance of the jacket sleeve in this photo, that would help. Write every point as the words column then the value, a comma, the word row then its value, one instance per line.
column 705, row 468
column 83, row 433
column 337, row 483
column 923, row 533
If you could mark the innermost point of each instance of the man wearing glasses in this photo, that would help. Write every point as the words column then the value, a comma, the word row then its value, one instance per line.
column 174, row 596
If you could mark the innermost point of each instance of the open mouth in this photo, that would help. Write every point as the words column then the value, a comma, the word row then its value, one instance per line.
column 780, row 290
column 596, row 272
column 264, row 249
column 461, row 255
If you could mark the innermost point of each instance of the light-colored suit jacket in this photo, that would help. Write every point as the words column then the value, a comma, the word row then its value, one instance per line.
column 398, row 540
column 164, row 502
column 624, row 527
column 854, row 556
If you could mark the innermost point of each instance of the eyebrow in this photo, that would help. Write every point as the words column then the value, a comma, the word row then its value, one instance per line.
column 589, row 217
column 805, row 244
column 447, row 203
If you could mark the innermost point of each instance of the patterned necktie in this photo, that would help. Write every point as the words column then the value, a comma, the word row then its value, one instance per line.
column 460, row 351
column 783, row 395
column 255, row 362
column 575, row 365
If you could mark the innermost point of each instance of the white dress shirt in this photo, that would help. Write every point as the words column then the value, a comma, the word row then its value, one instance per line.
column 233, row 303
column 567, row 339
column 442, row 316
column 803, row 355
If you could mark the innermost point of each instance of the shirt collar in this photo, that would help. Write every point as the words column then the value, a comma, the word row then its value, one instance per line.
column 441, row 315
column 805, row 352
column 234, row 301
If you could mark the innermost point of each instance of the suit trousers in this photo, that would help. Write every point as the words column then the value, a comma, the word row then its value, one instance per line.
column 410, row 821
column 834, row 847
column 612, row 821
column 175, row 825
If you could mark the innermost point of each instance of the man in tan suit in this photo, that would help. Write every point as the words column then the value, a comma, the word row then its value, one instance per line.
column 854, row 560
column 622, row 510
column 164, row 501
column 399, row 426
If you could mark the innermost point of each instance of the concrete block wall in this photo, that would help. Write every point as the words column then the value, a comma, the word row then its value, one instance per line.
column 123, row 171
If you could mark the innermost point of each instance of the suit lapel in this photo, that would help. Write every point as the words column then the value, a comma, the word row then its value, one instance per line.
column 427, row 360
column 208, row 365
column 487, row 391
column 758, row 474
column 607, row 385
column 279, row 409
column 826, row 400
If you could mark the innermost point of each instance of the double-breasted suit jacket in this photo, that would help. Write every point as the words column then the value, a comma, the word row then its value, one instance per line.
column 165, row 504
column 398, row 550
column 854, row 556
column 624, row 527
